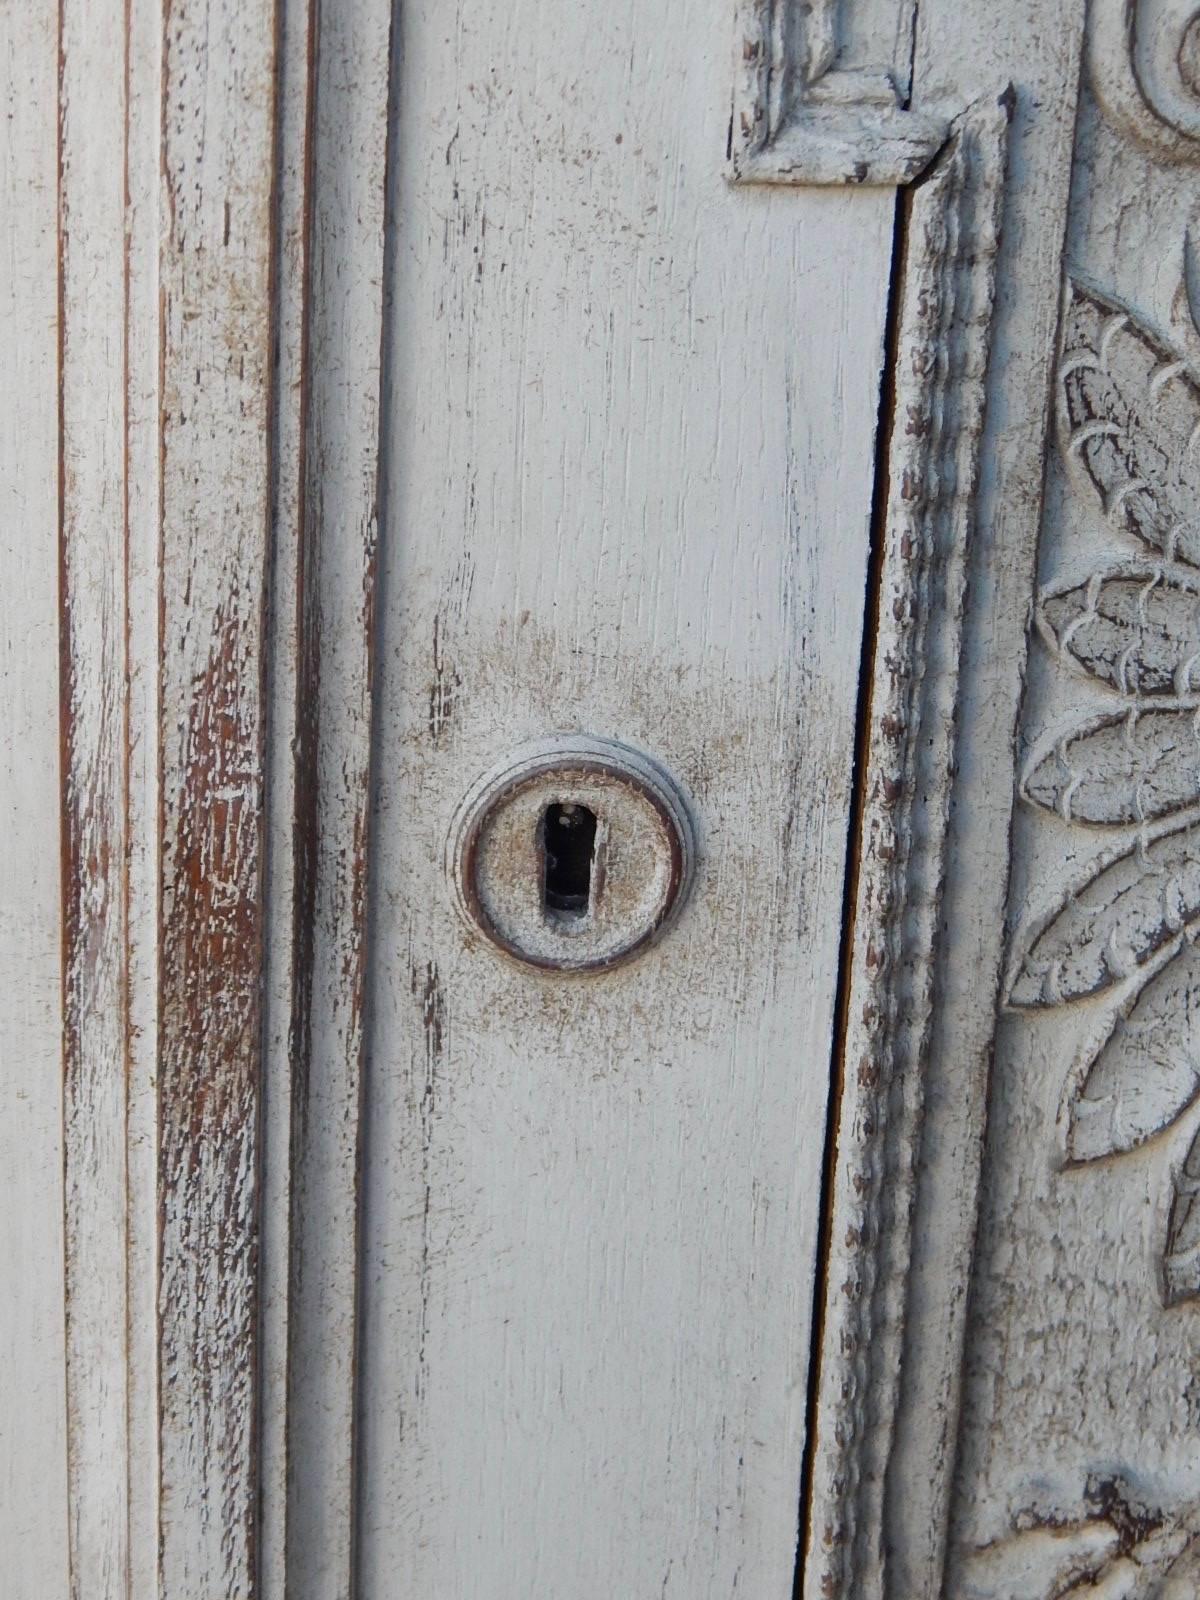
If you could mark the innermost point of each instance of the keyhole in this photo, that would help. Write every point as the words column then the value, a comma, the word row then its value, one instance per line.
column 569, row 845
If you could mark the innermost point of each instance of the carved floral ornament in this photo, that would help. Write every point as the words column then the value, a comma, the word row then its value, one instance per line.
column 1129, row 431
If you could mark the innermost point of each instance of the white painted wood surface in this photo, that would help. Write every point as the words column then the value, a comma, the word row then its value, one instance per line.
column 33, row 1434
column 629, row 497
column 342, row 1251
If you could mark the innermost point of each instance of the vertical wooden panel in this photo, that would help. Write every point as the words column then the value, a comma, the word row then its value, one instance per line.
column 33, row 1512
column 94, row 741
column 218, row 104
column 336, row 587
column 221, row 312
column 632, row 416
column 294, row 69
column 143, row 162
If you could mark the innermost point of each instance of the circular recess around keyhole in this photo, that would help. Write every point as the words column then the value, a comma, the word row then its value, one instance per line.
column 573, row 855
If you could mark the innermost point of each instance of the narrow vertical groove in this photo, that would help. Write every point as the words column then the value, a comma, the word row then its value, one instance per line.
column 296, row 58
column 141, row 359
column 339, row 523
column 127, row 775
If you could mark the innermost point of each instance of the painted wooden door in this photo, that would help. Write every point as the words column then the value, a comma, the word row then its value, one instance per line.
column 599, row 888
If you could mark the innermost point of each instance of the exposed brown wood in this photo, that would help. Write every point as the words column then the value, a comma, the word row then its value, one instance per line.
column 218, row 153
column 94, row 735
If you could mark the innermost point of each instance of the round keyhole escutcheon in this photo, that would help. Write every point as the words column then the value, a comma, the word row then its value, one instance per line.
column 573, row 855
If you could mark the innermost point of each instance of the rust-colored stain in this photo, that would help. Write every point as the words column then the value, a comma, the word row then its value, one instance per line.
column 209, row 1065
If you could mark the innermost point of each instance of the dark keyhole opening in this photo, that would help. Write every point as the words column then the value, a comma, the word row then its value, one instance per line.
column 569, row 842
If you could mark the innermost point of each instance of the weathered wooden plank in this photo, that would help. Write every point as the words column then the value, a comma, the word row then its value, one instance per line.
column 218, row 149
column 33, row 1455
column 336, row 585
column 143, row 162
column 629, row 497
column 94, row 731
column 294, row 75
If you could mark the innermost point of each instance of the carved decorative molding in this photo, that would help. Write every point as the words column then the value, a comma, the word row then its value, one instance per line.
column 220, row 376
column 801, row 114
column 951, row 238
column 1144, row 61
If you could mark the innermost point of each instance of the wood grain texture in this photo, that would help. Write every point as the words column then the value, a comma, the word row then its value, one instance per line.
column 142, row 89
column 94, row 734
column 219, row 373
column 628, row 500
column 946, row 287
column 33, row 1445
column 218, row 118
column 293, row 193
column 336, row 587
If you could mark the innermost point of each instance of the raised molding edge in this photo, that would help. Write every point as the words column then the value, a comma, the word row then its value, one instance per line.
column 802, row 116
column 950, row 242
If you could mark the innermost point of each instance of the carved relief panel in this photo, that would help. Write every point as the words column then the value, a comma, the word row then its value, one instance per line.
column 1007, row 1407
column 1079, row 1451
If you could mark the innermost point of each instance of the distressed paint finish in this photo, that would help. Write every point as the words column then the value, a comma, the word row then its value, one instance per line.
column 1037, row 48
column 219, row 361
column 142, row 89
column 629, row 499
column 950, row 241
column 1080, row 1401
column 625, row 489
column 218, row 105
column 336, row 580
column 293, row 134
column 808, row 109
column 33, row 1432
column 94, row 734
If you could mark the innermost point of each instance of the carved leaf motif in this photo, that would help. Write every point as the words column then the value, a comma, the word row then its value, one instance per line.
column 1181, row 1258
column 1112, row 927
column 1137, row 630
column 1124, row 1549
column 1131, row 418
column 1148, row 1070
column 1039, row 1563
column 1135, row 766
column 1129, row 427
column 1044, row 1564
